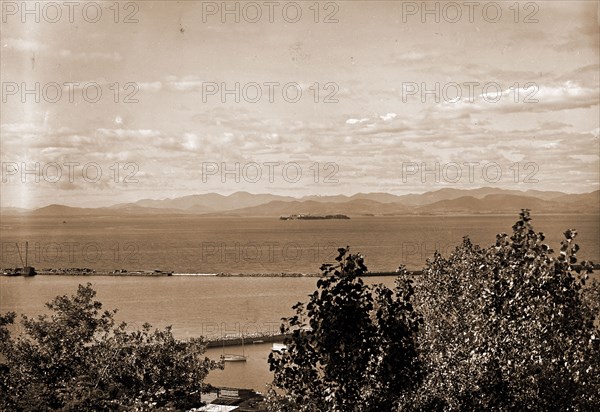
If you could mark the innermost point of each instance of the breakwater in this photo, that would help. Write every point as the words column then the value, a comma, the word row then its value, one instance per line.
column 248, row 340
column 123, row 272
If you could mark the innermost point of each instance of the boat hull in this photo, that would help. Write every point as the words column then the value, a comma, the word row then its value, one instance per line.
column 234, row 358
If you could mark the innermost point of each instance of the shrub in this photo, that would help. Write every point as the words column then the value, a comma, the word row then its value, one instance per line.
column 77, row 359
column 510, row 327
column 352, row 345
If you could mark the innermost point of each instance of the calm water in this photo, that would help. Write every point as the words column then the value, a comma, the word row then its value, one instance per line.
column 211, row 306
column 191, row 244
column 193, row 305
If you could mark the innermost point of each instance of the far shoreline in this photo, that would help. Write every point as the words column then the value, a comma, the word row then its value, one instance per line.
column 93, row 273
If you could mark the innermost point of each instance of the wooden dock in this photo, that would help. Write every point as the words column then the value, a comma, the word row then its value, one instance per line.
column 248, row 340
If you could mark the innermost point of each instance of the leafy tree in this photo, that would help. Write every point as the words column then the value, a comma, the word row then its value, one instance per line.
column 510, row 327
column 352, row 346
column 505, row 328
column 78, row 359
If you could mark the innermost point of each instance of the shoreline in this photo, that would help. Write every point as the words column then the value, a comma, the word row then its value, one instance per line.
column 86, row 272
column 13, row 272
column 248, row 340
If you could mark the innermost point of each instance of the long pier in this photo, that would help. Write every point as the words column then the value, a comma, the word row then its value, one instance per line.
column 151, row 273
column 248, row 340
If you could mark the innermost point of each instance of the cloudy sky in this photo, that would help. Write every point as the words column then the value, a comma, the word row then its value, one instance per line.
column 193, row 101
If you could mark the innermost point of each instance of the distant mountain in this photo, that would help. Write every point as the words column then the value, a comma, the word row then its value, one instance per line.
column 480, row 193
column 61, row 210
column 216, row 203
column 492, row 203
column 324, row 199
column 546, row 195
column 444, row 201
column 355, row 207
column 213, row 202
column 586, row 199
column 135, row 209
column 119, row 210
column 500, row 203
column 12, row 210
column 377, row 197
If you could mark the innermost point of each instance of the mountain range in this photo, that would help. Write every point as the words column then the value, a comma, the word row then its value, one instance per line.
column 444, row 201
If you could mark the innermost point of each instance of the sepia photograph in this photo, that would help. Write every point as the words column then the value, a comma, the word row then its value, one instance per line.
column 299, row 206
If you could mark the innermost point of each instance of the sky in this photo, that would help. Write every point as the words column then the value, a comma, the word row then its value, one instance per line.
column 119, row 101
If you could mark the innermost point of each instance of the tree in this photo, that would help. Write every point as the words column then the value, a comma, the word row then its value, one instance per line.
column 78, row 359
column 352, row 346
column 510, row 327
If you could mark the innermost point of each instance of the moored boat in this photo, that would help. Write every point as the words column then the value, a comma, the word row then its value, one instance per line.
column 231, row 357
column 278, row 347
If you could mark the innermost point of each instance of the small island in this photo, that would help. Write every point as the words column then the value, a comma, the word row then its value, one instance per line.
column 312, row 217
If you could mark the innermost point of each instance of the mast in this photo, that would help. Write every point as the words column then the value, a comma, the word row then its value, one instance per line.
column 20, row 256
column 26, row 252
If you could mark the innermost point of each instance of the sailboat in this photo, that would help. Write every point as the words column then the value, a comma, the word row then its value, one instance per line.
column 279, row 347
column 230, row 357
column 26, row 270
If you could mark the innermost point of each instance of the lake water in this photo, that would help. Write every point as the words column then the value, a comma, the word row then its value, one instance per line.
column 194, row 305
column 216, row 306
column 193, row 244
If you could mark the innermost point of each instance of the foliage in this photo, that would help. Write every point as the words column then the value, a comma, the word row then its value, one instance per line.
column 352, row 345
column 510, row 327
column 78, row 359
column 505, row 328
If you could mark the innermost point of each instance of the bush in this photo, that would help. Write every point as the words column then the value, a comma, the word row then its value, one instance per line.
column 509, row 327
column 505, row 328
column 77, row 359
column 352, row 345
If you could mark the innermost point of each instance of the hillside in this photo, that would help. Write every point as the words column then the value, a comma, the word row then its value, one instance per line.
column 358, row 207
column 445, row 201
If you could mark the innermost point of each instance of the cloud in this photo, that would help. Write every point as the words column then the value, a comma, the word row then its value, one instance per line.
column 553, row 125
column 88, row 56
column 388, row 116
column 21, row 128
column 191, row 141
column 583, row 35
column 586, row 158
column 587, row 76
column 412, row 57
column 536, row 99
column 185, row 83
column 33, row 46
column 25, row 45
column 356, row 121
column 150, row 86
column 129, row 133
